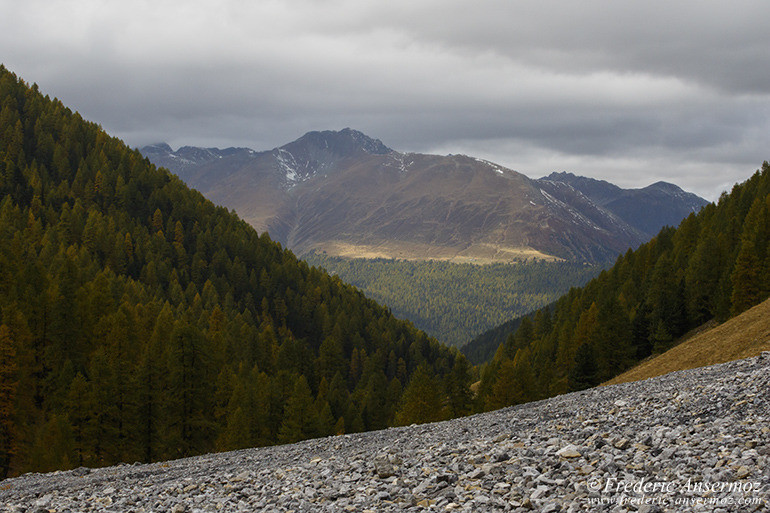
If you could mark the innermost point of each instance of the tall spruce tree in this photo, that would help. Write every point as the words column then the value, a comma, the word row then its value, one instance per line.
column 422, row 399
column 300, row 419
column 584, row 372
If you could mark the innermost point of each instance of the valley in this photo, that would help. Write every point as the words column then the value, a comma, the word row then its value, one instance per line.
column 141, row 322
column 342, row 194
column 357, row 257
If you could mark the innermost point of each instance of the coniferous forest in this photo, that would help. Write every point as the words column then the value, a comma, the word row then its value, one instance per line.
column 456, row 302
column 715, row 265
column 140, row 322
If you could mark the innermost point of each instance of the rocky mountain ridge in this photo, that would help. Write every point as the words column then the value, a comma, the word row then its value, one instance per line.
column 647, row 209
column 346, row 194
column 692, row 440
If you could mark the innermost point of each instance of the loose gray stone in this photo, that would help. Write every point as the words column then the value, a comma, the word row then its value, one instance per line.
column 570, row 451
column 702, row 426
column 384, row 467
column 622, row 444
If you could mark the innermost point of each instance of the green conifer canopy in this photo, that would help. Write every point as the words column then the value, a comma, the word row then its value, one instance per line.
column 138, row 321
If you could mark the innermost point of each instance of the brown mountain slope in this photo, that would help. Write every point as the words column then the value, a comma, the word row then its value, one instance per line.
column 346, row 194
column 741, row 337
column 436, row 207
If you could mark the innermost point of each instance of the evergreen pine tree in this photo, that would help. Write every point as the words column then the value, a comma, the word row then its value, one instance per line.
column 326, row 421
column 505, row 389
column 460, row 397
column 236, row 433
column 300, row 418
column 746, row 279
column 8, row 383
column 79, row 412
column 422, row 399
column 584, row 371
column 53, row 448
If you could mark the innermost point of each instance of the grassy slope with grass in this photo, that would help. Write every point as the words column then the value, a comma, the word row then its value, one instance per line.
column 743, row 336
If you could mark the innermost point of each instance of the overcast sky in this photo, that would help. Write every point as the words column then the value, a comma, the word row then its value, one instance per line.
column 631, row 92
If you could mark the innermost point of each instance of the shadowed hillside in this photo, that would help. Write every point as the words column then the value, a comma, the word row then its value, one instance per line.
column 743, row 336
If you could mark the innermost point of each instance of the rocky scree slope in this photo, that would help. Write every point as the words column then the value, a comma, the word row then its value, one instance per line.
column 692, row 440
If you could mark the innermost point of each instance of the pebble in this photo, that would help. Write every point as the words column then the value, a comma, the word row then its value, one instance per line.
column 686, row 436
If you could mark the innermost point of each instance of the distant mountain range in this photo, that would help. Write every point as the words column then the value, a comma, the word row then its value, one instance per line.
column 345, row 194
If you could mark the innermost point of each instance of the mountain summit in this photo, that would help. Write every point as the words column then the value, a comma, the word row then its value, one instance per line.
column 346, row 142
column 317, row 152
column 347, row 194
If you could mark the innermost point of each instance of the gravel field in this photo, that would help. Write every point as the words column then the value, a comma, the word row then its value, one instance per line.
column 694, row 440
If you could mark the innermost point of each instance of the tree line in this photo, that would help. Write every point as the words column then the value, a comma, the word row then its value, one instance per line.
column 140, row 322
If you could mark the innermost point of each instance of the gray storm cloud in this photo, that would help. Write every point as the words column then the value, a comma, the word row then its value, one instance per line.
column 629, row 92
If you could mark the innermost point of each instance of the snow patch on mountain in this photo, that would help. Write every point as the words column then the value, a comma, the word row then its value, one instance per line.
column 577, row 217
column 398, row 161
column 495, row 167
column 288, row 165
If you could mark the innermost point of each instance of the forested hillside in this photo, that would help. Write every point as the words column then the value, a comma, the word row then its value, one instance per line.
column 456, row 302
column 714, row 266
column 140, row 322
column 481, row 349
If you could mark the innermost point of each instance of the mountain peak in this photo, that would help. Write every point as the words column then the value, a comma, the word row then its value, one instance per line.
column 160, row 148
column 334, row 188
column 584, row 183
column 665, row 187
column 368, row 144
column 318, row 152
column 561, row 176
column 345, row 142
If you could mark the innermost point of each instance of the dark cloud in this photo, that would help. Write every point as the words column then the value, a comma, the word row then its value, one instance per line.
column 629, row 92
